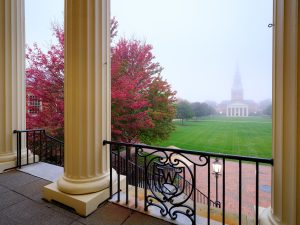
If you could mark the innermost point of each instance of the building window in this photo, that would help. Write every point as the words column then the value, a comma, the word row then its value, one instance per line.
column 34, row 104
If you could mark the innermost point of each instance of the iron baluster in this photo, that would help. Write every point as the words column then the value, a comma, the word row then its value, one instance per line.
column 27, row 147
column 194, row 189
column 136, row 177
column 223, row 195
column 208, row 204
column 118, row 152
column 127, row 174
column 256, row 192
column 145, row 184
column 110, row 171
column 40, row 145
column 240, row 192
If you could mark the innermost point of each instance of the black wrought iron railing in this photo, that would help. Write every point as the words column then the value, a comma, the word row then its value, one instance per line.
column 40, row 147
column 163, row 173
column 182, row 183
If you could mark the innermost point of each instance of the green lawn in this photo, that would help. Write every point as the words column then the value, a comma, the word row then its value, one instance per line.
column 250, row 136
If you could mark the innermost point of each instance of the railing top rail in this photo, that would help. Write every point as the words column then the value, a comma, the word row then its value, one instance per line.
column 55, row 139
column 36, row 130
column 26, row 131
column 194, row 152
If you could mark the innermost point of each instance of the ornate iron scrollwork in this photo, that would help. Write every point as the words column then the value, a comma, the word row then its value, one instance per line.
column 165, row 170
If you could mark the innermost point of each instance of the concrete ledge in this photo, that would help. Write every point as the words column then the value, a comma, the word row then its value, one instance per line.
column 83, row 204
column 31, row 160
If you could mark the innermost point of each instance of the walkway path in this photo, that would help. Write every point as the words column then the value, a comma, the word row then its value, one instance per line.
column 232, row 186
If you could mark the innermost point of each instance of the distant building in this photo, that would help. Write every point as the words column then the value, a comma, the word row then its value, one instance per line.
column 237, row 107
column 34, row 105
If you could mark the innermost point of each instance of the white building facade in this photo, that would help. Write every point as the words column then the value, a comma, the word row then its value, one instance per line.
column 237, row 110
column 237, row 107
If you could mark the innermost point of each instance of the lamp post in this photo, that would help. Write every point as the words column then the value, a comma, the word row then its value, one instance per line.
column 217, row 167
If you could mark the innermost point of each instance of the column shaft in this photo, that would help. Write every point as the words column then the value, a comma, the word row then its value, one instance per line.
column 87, row 96
column 286, row 111
column 12, row 82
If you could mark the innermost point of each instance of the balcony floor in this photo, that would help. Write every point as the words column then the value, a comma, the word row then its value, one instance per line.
column 21, row 203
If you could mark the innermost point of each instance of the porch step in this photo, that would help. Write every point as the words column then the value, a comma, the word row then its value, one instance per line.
column 43, row 170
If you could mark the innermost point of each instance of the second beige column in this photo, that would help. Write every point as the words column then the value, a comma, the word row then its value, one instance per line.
column 87, row 96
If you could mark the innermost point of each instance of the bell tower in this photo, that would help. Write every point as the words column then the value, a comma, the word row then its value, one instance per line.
column 237, row 92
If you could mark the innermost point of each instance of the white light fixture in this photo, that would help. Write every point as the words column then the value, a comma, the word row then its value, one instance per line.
column 217, row 167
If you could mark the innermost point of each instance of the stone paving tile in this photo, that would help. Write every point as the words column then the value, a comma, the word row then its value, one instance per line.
column 107, row 214
column 141, row 219
column 6, row 220
column 62, row 209
column 3, row 189
column 10, row 198
column 13, row 179
column 77, row 223
column 30, row 213
column 21, row 204
column 32, row 190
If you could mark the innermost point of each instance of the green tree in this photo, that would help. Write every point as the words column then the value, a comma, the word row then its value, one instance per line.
column 162, row 111
column 184, row 110
column 202, row 109
column 268, row 110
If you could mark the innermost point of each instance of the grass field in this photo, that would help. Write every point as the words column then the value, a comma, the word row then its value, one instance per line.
column 250, row 136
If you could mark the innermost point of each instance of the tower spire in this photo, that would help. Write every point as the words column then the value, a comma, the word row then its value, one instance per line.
column 237, row 87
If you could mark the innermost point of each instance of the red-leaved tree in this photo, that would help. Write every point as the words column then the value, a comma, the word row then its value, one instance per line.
column 45, row 86
column 132, row 68
column 142, row 103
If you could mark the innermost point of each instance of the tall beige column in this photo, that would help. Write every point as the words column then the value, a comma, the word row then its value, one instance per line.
column 286, row 111
column 87, row 103
column 12, row 82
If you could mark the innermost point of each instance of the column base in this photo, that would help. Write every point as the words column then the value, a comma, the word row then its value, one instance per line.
column 7, row 161
column 83, row 204
column 7, row 165
column 266, row 217
column 84, row 186
column 13, row 163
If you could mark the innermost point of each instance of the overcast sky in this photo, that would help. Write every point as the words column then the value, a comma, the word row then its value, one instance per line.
column 198, row 42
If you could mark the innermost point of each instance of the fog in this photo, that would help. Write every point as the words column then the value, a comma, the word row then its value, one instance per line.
column 198, row 42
